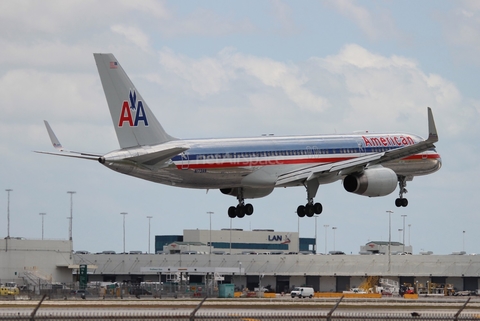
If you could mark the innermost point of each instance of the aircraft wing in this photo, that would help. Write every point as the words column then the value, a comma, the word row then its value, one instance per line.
column 358, row 164
column 62, row 151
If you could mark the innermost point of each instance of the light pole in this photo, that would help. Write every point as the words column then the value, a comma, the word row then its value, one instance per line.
column 409, row 228
column 8, row 190
column 334, row 229
column 389, row 236
column 70, row 229
column 298, row 233
column 210, row 241
column 403, row 216
column 43, row 216
column 463, row 248
column 326, row 226
column 315, row 247
column 149, row 218
column 123, row 213
column 230, row 236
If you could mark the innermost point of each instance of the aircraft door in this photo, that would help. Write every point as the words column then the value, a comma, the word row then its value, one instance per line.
column 185, row 161
column 361, row 148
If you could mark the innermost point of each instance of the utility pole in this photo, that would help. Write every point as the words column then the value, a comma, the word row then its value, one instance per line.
column 123, row 213
column 149, row 218
column 70, row 228
column 8, row 190
column 43, row 216
column 334, row 229
column 389, row 236
column 403, row 216
column 326, row 226
column 210, row 241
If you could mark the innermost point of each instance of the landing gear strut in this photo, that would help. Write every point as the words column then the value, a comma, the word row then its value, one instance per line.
column 241, row 209
column 402, row 183
column 310, row 208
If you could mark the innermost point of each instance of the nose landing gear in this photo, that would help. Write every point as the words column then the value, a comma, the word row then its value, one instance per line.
column 402, row 183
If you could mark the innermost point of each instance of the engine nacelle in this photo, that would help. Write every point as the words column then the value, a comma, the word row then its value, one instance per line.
column 248, row 192
column 377, row 181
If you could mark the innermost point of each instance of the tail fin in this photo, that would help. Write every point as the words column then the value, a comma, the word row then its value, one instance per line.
column 134, row 122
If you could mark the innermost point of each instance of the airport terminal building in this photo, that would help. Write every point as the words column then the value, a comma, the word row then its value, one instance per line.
column 248, row 259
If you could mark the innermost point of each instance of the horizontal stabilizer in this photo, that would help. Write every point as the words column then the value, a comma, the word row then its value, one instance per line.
column 62, row 151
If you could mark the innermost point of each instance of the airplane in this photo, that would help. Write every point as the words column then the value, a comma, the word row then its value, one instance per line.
column 369, row 164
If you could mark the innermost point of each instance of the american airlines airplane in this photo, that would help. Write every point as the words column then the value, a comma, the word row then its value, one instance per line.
column 369, row 164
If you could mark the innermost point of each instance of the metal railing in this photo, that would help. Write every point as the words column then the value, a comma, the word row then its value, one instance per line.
column 229, row 314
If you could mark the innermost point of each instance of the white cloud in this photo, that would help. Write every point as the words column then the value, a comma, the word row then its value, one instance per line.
column 461, row 27
column 377, row 24
column 381, row 89
column 133, row 34
column 283, row 14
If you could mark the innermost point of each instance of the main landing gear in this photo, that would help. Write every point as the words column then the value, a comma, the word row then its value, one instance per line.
column 402, row 183
column 241, row 209
column 310, row 208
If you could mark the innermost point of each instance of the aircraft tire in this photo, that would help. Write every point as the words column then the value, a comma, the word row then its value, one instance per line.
column 248, row 209
column 309, row 210
column 240, row 211
column 401, row 202
column 231, row 212
column 317, row 208
column 301, row 211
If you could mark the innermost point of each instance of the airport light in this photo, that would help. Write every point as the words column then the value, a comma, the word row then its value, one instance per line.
column 326, row 226
column 123, row 213
column 210, row 242
column 43, row 216
column 8, row 190
column 334, row 228
column 298, row 233
column 403, row 216
column 389, row 236
column 409, row 228
column 70, row 229
column 149, row 218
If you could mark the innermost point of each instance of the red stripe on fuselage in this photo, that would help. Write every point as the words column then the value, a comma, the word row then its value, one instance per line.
column 271, row 162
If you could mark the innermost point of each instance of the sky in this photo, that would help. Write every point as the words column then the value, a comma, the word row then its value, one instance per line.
column 238, row 69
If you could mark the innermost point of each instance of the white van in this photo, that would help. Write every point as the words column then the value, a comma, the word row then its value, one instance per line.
column 302, row 292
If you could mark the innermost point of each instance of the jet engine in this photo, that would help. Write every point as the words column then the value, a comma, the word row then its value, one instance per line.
column 248, row 192
column 376, row 181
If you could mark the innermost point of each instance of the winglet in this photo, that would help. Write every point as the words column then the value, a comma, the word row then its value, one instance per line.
column 432, row 130
column 53, row 138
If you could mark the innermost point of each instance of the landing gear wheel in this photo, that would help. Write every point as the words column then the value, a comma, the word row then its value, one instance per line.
column 401, row 202
column 317, row 208
column 240, row 211
column 309, row 210
column 248, row 209
column 301, row 211
column 231, row 212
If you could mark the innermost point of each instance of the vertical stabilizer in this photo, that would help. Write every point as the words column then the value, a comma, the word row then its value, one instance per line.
column 134, row 122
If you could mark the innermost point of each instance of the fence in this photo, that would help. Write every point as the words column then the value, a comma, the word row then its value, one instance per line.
column 232, row 314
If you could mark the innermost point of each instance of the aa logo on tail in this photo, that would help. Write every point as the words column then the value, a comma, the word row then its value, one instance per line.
column 136, row 108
